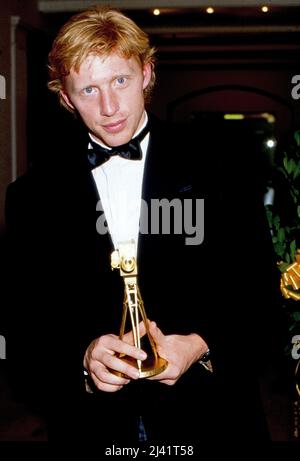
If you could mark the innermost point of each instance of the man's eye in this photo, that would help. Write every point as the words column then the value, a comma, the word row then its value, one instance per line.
column 121, row 80
column 89, row 90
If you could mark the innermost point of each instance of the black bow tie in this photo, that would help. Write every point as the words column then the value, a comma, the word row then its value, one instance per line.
column 131, row 150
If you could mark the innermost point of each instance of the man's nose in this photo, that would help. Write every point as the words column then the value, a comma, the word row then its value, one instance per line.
column 108, row 103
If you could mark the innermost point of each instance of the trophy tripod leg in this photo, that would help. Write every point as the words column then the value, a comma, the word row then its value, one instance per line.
column 145, row 320
column 132, row 300
column 124, row 315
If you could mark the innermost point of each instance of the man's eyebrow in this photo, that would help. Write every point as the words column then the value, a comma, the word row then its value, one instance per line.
column 125, row 72
column 129, row 72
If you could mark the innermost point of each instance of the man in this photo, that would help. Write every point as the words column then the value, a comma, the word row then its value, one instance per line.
column 102, row 69
column 107, row 90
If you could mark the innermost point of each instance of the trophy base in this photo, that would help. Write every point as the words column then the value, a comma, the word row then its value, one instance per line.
column 151, row 366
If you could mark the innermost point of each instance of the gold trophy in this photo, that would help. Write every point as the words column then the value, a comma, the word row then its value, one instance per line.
column 125, row 260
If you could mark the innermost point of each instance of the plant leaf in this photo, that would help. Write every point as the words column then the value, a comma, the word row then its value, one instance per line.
column 297, row 137
column 279, row 249
column 276, row 222
column 293, row 249
column 286, row 164
column 283, row 267
column 281, row 235
column 292, row 165
column 296, row 171
column 296, row 316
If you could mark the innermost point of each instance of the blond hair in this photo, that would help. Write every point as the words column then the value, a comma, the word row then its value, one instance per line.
column 98, row 31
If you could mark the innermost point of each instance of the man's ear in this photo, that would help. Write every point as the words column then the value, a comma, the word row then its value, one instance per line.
column 147, row 71
column 67, row 99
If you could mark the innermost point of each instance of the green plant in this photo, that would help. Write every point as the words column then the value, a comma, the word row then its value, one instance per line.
column 284, row 219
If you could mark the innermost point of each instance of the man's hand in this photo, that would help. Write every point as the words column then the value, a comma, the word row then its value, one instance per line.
column 100, row 358
column 181, row 351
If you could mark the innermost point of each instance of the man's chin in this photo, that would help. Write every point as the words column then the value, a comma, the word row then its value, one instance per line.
column 115, row 140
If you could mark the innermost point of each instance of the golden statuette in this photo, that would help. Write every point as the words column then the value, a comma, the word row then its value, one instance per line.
column 124, row 259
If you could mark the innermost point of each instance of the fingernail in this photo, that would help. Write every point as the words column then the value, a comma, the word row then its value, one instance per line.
column 142, row 355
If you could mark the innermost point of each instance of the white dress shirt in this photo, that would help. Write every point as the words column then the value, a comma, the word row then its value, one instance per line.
column 119, row 184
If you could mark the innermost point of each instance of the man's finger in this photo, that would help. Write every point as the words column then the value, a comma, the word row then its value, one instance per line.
column 128, row 337
column 156, row 333
column 105, row 386
column 109, row 378
column 112, row 344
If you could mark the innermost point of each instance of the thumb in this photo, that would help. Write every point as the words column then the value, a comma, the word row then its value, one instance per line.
column 128, row 337
column 156, row 333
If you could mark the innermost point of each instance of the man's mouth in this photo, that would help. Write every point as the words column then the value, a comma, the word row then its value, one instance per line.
column 115, row 127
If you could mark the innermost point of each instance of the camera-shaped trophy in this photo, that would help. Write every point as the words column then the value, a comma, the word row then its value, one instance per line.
column 125, row 260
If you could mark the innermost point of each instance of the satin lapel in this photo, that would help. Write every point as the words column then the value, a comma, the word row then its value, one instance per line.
column 86, row 198
column 104, row 245
column 154, row 184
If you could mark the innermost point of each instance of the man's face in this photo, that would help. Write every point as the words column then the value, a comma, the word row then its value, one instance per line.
column 108, row 94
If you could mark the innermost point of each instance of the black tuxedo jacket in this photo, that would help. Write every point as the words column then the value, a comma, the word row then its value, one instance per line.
column 63, row 293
